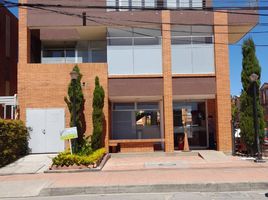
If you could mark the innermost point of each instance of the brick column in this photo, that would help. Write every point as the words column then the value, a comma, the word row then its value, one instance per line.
column 223, row 98
column 167, row 79
column 23, row 59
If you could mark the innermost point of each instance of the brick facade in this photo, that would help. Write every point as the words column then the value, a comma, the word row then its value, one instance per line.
column 8, row 52
column 167, row 82
column 46, row 85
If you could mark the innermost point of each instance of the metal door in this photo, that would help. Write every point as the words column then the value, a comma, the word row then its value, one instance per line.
column 46, row 125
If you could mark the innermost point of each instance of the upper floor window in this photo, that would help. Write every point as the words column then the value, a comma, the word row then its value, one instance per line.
column 127, row 5
column 173, row 4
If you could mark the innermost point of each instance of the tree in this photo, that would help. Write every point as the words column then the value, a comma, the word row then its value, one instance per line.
column 97, row 115
column 75, row 91
column 250, row 65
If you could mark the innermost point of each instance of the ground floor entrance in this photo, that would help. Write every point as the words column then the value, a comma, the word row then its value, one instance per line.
column 190, row 117
column 139, row 126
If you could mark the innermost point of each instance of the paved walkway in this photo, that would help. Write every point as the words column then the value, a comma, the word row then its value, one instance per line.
column 195, row 175
column 30, row 164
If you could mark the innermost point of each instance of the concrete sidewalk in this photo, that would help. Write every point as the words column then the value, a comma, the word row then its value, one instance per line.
column 228, row 177
column 30, row 164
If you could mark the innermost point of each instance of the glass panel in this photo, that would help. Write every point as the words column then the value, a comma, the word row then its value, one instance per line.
column 191, row 118
column 181, row 30
column 120, row 41
column 99, row 56
column 124, row 106
column 171, row 4
column 185, row 3
column 123, row 126
column 122, row 32
column 202, row 30
column 97, row 44
column 203, row 59
column 137, row 3
column 197, row 3
column 148, row 106
column 53, row 53
column 202, row 40
column 146, row 41
column 70, row 53
column 120, row 59
column 148, row 124
column 147, row 59
column 147, row 32
column 150, row 3
column 111, row 3
column 181, row 57
column 181, row 40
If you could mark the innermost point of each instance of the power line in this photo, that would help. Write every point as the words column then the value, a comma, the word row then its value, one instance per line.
column 102, row 23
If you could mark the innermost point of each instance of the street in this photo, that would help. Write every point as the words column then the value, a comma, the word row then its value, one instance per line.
column 248, row 195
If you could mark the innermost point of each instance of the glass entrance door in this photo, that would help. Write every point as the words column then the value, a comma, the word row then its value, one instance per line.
column 190, row 117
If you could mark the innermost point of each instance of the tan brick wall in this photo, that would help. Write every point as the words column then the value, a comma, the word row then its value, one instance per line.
column 167, row 79
column 223, row 98
column 136, row 147
column 46, row 85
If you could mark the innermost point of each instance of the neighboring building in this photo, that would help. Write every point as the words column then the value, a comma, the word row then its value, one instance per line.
column 264, row 102
column 8, row 56
column 153, row 65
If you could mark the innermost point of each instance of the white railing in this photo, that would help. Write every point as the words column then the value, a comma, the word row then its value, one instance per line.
column 9, row 102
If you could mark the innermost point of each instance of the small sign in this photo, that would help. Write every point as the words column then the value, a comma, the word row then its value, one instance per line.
column 69, row 133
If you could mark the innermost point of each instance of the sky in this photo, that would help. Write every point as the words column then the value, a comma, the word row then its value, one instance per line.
column 235, row 52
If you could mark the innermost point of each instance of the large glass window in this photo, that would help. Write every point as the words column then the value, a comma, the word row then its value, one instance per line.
column 136, row 120
column 192, row 50
column 74, row 52
column 134, row 51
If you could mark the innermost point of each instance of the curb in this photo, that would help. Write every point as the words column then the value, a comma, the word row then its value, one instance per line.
column 159, row 188
column 99, row 168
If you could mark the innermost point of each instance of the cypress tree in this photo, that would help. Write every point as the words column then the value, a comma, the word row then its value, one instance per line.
column 75, row 90
column 97, row 115
column 250, row 65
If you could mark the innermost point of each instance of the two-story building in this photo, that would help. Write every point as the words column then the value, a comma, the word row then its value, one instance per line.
column 158, row 61
column 8, row 59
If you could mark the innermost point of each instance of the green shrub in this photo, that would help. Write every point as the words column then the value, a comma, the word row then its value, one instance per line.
column 85, row 147
column 97, row 115
column 66, row 159
column 13, row 141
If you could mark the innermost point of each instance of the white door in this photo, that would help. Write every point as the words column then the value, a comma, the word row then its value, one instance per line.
column 46, row 125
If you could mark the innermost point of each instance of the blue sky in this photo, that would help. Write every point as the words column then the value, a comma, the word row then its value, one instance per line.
column 235, row 54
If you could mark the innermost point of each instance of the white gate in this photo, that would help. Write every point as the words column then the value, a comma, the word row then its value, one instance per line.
column 45, row 125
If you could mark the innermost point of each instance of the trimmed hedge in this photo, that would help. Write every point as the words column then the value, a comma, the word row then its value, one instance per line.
column 66, row 159
column 13, row 141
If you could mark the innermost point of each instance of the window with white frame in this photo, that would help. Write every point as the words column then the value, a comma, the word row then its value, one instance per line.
column 173, row 4
column 127, row 5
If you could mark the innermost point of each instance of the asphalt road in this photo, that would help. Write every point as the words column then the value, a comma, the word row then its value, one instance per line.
column 250, row 195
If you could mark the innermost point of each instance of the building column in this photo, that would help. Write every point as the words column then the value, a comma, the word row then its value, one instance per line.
column 223, row 95
column 23, row 59
column 167, row 82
